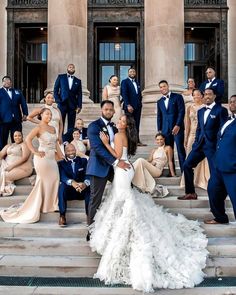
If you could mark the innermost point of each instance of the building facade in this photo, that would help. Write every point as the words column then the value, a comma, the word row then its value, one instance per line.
column 168, row 39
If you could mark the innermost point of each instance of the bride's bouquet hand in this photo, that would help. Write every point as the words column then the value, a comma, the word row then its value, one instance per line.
column 104, row 138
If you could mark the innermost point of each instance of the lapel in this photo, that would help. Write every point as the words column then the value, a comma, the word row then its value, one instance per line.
column 66, row 81
column 202, row 111
column 6, row 94
column 212, row 111
column 229, row 126
column 69, row 166
column 163, row 105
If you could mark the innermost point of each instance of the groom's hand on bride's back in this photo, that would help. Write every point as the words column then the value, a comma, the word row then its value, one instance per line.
column 123, row 165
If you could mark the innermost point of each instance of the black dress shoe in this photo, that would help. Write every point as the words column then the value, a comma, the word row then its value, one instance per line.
column 88, row 237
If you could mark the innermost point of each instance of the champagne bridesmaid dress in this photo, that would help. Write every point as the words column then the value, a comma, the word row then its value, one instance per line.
column 43, row 197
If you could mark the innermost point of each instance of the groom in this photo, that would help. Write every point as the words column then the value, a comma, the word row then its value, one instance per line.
column 101, row 162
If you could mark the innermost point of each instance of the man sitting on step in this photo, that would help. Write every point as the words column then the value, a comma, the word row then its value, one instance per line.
column 74, row 184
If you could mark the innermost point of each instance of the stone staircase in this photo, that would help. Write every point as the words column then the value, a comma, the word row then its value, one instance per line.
column 44, row 249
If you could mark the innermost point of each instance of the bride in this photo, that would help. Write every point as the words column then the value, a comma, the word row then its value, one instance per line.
column 141, row 243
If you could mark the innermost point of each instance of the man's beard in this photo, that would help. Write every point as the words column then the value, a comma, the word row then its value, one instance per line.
column 108, row 119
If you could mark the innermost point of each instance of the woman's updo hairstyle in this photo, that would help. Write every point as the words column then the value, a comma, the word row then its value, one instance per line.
column 41, row 112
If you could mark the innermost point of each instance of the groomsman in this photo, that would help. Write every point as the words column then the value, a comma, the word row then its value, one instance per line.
column 210, row 119
column 170, row 119
column 74, row 184
column 68, row 95
column 131, row 94
column 223, row 177
column 214, row 83
column 13, row 110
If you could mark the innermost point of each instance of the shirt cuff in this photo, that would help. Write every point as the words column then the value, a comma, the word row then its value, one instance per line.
column 115, row 163
column 69, row 181
column 87, row 182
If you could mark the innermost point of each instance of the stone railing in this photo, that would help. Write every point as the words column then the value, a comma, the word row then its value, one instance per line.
column 28, row 3
column 205, row 3
column 116, row 2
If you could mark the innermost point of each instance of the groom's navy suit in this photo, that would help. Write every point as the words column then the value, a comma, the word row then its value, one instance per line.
column 68, row 99
column 167, row 118
column 68, row 192
column 223, row 177
column 205, row 142
column 99, row 165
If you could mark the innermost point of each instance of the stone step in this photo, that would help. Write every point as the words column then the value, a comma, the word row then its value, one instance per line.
column 75, row 266
column 224, row 247
column 79, row 230
column 41, row 290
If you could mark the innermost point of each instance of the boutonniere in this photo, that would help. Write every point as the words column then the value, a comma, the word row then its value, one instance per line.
column 17, row 92
column 104, row 129
column 212, row 116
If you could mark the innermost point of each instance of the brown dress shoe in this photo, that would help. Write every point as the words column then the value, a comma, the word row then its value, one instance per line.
column 62, row 221
column 192, row 196
column 213, row 221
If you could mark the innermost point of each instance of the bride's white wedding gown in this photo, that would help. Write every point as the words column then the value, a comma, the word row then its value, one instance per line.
column 142, row 244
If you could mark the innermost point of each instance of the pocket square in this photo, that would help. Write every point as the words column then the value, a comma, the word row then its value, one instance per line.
column 17, row 92
column 80, row 169
column 212, row 116
column 214, row 84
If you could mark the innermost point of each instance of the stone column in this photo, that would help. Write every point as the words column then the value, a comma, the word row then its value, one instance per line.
column 231, row 47
column 3, row 38
column 164, row 53
column 67, row 40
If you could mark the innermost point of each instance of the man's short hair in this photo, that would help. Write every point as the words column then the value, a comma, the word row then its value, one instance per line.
column 212, row 89
column 106, row 101
column 6, row 77
column 163, row 81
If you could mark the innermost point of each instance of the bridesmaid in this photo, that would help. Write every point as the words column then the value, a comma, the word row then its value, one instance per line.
column 56, row 120
column 43, row 197
column 147, row 170
column 78, row 144
column 187, row 94
column 112, row 92
column 16, row 164
column 201, row 172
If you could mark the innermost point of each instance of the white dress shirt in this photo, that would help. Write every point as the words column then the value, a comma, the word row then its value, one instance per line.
column 166, row 101
column 207, row 111
column 226, row 124
column 109, row 129
column 209, row 83
column 9, row 92
column 135, row 84
column 70, row 81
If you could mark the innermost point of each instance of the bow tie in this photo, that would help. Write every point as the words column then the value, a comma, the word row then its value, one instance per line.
column 231, row 117
column 70, row 76
column 207, row 108
column 165, row 97
column 71, row 160
column 209, row 81
column 110, row 124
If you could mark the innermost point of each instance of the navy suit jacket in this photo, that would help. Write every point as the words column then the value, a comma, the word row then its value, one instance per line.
column 69, row 137
column 66, row 171
column 129, row 95
column 63, row 93
column 217, row 85
column 173, row 115
column 207, row 133
column 225, row 159
column 100, row 160
column 12, row 108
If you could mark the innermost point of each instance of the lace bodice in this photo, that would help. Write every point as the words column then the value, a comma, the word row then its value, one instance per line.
column 47, row 142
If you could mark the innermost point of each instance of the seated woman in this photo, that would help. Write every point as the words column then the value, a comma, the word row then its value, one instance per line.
column 78, row 144
column 146, row 170
column 16, row 164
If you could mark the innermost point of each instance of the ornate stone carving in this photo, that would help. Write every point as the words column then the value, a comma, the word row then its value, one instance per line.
column 205, row 2
column 117, row 2
column 28, row 3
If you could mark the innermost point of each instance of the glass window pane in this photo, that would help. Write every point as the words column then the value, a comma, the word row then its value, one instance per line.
column 123, row 72
column 44, row 51
column 107, row 71
column 112, row 51
column 122, row 51
column 101, row 51
column 107, row 51
column 132, row 51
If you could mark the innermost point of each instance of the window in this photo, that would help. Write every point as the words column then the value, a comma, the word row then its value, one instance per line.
column 36, row 52
column 117, row 51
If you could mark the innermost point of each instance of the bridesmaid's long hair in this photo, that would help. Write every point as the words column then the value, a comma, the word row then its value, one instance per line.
column 132, row 135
